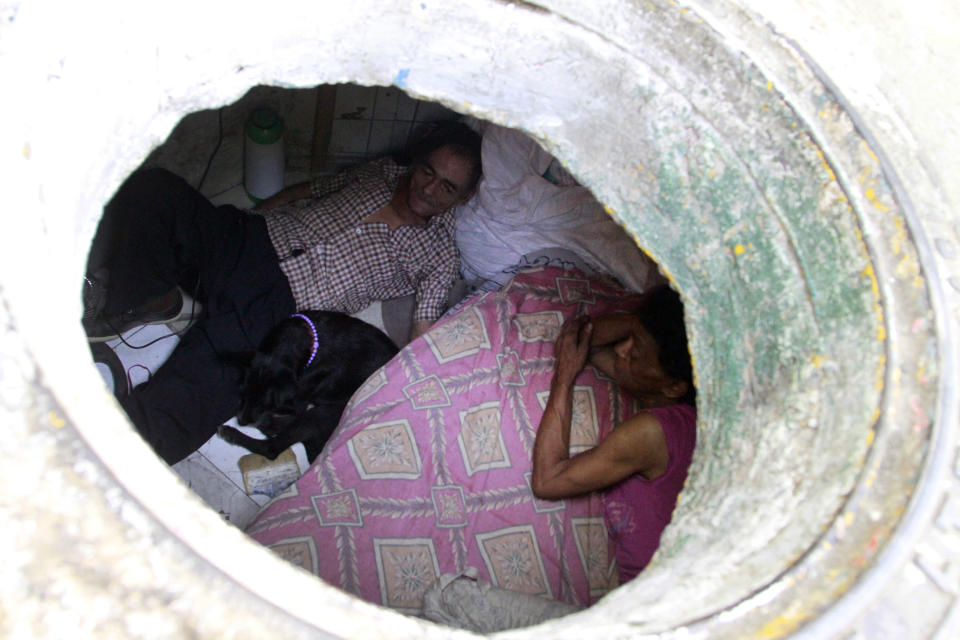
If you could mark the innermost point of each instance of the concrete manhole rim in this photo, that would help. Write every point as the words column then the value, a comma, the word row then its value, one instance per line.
column 946, row 403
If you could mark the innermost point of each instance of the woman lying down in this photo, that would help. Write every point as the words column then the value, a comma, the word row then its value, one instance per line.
column 531, row 440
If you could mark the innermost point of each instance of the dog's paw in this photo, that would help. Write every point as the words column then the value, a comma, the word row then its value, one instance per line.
column 228, row 433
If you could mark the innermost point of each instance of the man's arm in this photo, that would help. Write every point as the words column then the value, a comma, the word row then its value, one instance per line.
column 634, row 446
column 286, row 196
column 317, row 187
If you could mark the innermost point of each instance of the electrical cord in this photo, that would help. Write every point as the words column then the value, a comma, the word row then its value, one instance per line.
column 215, row 149
column 179, row 334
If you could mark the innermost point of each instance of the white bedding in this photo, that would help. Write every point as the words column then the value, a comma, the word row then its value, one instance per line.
column 527, row 202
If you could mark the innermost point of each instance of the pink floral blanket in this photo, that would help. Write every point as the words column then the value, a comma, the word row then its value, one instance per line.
column 429, row 469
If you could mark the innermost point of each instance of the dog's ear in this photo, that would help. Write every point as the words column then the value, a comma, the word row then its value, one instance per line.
column 238, row 359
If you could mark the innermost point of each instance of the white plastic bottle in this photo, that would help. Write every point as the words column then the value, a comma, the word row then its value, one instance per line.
column 263, row 157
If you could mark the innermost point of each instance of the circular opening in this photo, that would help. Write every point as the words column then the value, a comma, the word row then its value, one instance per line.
column 765, row 219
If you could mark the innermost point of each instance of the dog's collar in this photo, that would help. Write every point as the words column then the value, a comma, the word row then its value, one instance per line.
column 316, row 340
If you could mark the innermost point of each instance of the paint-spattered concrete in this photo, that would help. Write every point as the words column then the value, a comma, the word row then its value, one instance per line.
column 792, row 217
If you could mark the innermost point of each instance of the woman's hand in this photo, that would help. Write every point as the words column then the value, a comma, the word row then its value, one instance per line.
column 572, row 348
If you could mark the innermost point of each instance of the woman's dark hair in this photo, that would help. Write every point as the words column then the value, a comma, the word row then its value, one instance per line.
column 661, row 313
column 446, row 133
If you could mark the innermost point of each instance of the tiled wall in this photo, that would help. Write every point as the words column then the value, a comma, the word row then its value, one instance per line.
column 372, row 121
column 325, row 129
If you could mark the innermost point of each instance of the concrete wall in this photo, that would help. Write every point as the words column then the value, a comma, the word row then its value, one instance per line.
column 788, row 175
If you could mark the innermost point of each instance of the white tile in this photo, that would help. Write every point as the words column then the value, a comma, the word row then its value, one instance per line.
column 349, row 136
column 399, row 133
column 406, row 107
column 380, row 134
column 372, row 314
column 354, row 102
column 388, row 98
column 428, row 111
column 219, row 492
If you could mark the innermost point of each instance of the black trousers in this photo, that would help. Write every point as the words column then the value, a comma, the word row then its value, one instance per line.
column 159, row 232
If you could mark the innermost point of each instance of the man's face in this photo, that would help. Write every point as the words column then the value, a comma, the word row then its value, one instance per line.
column 439, row 182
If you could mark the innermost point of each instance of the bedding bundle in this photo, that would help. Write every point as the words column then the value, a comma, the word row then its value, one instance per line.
column 428, row 472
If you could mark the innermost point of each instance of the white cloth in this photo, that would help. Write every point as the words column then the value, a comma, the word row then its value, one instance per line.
column 463, row 602
column 527, row 202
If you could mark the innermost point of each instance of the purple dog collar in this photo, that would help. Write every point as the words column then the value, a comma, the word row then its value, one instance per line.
column 316, row 340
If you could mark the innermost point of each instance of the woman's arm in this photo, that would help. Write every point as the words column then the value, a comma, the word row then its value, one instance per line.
column 612, row 328
column 634, row 446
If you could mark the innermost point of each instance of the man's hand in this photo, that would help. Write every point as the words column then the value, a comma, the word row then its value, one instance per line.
column 572, row 348
column 290, row 194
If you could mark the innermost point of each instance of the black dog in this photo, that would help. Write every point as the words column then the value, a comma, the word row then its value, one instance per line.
column 301, row 377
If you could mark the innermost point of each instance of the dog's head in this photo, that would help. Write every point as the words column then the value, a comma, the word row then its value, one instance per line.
column 269, row 388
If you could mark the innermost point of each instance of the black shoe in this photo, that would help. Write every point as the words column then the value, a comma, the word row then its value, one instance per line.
column 103, row 328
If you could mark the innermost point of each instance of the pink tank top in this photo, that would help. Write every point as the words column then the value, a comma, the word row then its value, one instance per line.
column 637, row 510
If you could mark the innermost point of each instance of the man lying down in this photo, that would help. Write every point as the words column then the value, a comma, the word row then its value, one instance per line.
column 532, row 444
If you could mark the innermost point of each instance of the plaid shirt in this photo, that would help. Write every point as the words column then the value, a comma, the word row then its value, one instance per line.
column 336, row 262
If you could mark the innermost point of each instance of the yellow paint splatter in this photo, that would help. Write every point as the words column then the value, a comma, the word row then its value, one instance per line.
column 896, row 242
column 769, row 85
column 870, row 436
column 712, row 173
column 55, row 420
column 872, row 197
column 881, row 367
column 818, row 359
column 872, row 277
column 848, row 518
column 739, row 249
column 781, row 626
column 823, row 162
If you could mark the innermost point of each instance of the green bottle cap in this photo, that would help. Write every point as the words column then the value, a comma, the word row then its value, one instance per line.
column 264, row 126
